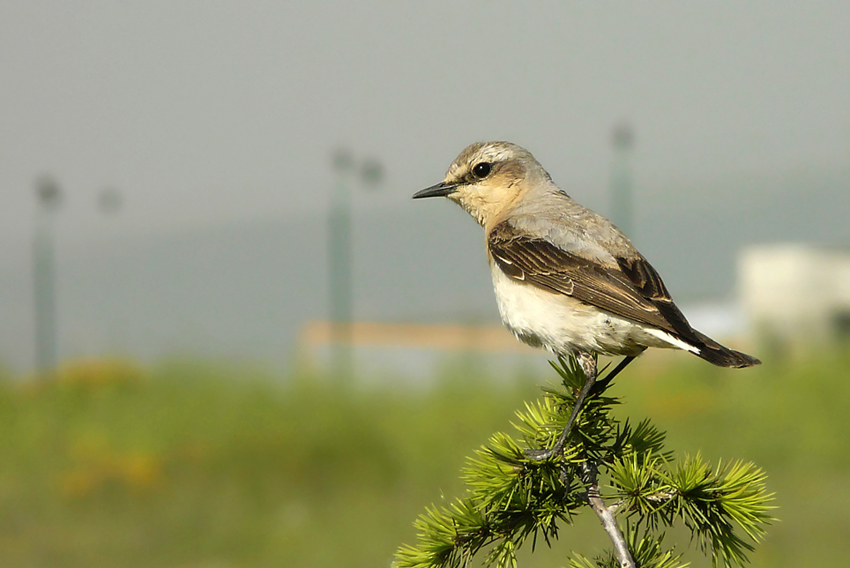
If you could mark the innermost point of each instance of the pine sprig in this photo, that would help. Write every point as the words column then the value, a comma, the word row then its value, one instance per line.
column 647, row 551
column 511, row 497
column 643, row 441
column 710, row 502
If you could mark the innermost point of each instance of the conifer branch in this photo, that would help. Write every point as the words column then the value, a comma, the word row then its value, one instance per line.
column 606, row 516
column 511, row 497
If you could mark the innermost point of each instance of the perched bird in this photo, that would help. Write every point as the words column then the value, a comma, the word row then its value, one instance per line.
column 566, row 278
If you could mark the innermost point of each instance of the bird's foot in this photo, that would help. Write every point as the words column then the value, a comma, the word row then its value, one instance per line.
column 541, row 455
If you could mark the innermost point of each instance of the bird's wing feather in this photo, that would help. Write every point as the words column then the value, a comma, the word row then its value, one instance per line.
column 648, row 283
column 633, row 290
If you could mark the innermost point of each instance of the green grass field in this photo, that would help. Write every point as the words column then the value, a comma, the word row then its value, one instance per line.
column 207, row 464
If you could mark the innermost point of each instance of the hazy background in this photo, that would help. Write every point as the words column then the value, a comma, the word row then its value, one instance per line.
column 179, row 432
column 216, row 121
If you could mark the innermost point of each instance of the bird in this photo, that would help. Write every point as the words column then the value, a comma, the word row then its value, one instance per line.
column 566, row 278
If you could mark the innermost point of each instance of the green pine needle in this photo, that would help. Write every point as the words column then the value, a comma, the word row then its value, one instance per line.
column 511, row 497
column 647, row 552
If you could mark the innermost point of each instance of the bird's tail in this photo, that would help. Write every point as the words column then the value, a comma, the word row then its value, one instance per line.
column 722, row 356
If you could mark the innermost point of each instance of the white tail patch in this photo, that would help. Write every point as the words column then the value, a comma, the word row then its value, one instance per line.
column 664, row 336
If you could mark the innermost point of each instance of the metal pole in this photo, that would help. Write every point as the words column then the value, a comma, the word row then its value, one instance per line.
column 44, row 278
column 339, row 257
column 621, row 178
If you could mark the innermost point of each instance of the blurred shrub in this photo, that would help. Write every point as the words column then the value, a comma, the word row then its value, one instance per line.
column 93, row 374
column 191, row 463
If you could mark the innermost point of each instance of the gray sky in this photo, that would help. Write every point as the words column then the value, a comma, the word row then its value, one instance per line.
column 216, row 122
column 202, row 112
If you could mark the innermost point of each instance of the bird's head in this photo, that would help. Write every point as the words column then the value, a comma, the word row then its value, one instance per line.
column 487, row 178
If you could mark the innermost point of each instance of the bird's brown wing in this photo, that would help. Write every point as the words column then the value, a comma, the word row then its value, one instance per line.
column 633, row 290
column 648, row 283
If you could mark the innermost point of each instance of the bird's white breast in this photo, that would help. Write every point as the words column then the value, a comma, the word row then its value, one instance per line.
column 564, row 325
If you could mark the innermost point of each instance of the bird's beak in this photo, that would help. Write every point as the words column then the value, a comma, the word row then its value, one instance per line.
column 440, row 190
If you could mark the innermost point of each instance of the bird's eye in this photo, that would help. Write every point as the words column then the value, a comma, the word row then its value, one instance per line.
column 482, row 169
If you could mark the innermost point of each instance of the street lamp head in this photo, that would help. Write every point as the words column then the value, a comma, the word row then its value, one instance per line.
column 372, row 172
column 623, row 136
column 48, row 193
column 110, row 200
column 342, row 159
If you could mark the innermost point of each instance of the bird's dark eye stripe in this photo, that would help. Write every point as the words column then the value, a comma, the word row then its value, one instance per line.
column 482, row 169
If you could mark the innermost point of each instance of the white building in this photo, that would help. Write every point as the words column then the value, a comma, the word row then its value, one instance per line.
column 796, row 292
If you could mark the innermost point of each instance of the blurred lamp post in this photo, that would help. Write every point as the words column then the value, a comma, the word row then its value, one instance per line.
column 369, row 173
column 110, row 200
column 49, row 197
column 622, row 139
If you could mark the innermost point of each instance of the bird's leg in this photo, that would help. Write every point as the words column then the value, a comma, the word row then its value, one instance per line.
column 592, row 387
column 588, row 365
column 603, row 383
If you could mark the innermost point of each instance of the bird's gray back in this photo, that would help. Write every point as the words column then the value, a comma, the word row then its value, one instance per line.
column 547, row 212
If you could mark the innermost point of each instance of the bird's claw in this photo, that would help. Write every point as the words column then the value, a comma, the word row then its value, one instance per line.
column 542, row 455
